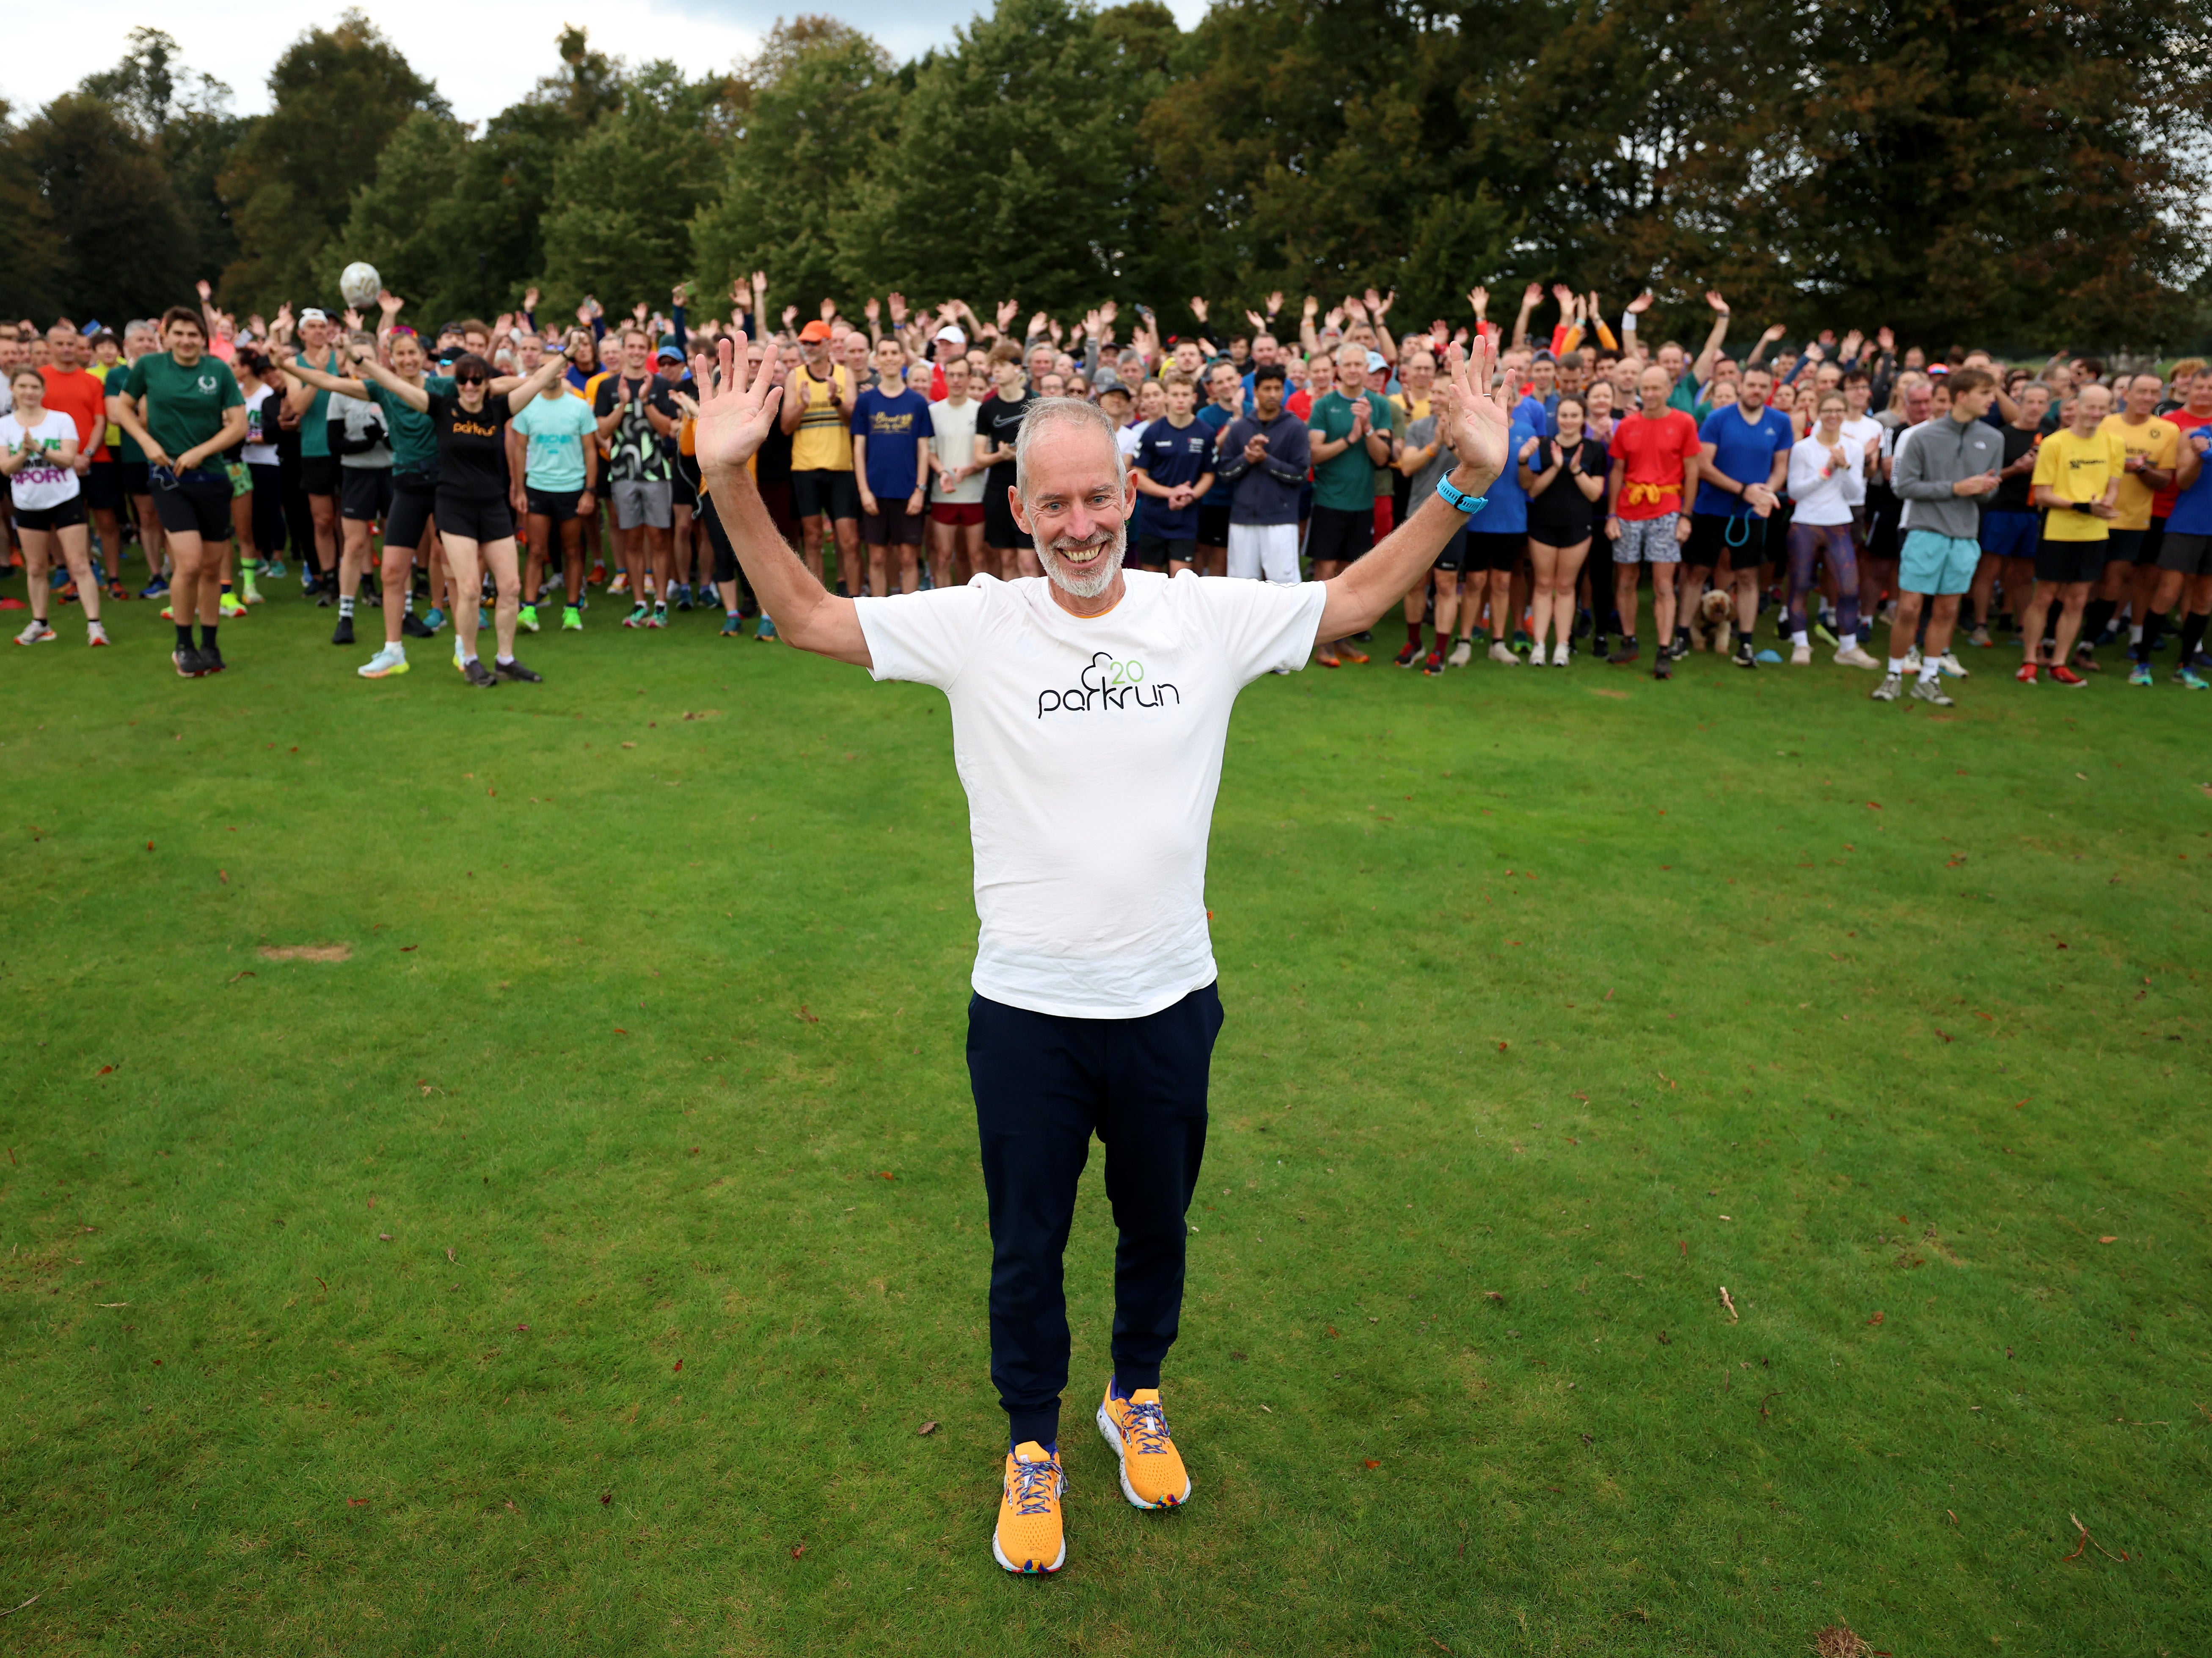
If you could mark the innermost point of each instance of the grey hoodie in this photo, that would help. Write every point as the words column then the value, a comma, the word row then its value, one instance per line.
column 1933, row 456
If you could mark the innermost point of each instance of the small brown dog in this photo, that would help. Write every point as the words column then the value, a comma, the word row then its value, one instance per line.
column 1712, row 624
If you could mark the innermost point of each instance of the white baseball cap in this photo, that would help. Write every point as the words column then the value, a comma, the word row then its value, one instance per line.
column 312, row 315
column 952, row 331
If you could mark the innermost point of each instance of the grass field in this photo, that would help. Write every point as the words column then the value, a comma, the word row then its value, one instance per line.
column 570, row 1268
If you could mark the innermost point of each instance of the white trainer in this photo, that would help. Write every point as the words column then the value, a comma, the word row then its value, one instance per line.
column 1851, row 655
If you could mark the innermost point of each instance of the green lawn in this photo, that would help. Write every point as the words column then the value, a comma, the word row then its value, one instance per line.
column 570, row 1269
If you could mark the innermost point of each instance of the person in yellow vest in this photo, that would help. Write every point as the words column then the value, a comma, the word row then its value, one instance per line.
column 818, row 412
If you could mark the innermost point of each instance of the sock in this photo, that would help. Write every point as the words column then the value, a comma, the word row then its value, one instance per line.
column 207, row 635
column 2192, row 634
column 1800, row 637
column 1896, row 664
column 1413, row 635
column 2147, row 646
column 1051, row 1446
column 345, row 608
column 184, row 636
column 2093, row 618
column 1930, row 667
column 226, row 589
column 467, row 657
column 504, row 661
column 407, row 605
column 2134, row 634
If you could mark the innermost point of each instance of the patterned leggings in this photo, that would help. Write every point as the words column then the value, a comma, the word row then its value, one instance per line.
column 1809, row 544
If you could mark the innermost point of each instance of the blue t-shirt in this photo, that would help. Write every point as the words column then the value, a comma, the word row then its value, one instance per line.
column 2192, row 506
column 1745, row 450
column 1213, row 417
column 554, row 460
column 1537, row 412
column 1507, row 509
column 892, row 422
column 1168, row 457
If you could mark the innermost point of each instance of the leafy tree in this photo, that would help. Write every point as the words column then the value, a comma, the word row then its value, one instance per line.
column 403, row 222
column 187, row 116
column 1029, row 125
column 30, row 252
column 1331, row 145
column 811, row 109
column 125, row 248
column 337, row 96
column 625, row 193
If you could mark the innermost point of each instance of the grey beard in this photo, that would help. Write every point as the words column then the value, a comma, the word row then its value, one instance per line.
column 1095, row 579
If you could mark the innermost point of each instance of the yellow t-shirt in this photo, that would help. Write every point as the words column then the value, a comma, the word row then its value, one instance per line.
column 824, row 441
column 2075, row 468
column 2155, row 440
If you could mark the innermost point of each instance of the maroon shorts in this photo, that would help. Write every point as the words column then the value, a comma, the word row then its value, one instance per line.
column 956, row 512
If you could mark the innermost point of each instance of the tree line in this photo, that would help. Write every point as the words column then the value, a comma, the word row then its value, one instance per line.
column 2013, row 173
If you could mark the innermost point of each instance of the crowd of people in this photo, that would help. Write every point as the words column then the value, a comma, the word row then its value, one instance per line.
column 486, row 472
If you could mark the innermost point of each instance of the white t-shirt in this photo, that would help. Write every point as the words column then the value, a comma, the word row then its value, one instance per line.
column 1822, row 500
column 40, row 486
column 1858, row 430
column 1090, row 750
column 261, row 411
column 1126, row 438
column 953, row 443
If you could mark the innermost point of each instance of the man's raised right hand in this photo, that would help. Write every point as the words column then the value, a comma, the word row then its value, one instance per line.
column 733, row 416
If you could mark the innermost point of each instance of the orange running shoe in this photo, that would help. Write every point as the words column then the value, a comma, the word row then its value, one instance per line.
column 1152, row 1475
column 1028, row 1538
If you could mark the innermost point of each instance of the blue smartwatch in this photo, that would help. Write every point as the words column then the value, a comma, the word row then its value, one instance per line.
column 1459, row 500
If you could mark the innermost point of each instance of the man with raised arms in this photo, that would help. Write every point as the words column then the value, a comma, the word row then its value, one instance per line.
column 1089, row 710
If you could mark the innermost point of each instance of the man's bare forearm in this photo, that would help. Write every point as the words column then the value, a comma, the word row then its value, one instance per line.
column 1357, row 598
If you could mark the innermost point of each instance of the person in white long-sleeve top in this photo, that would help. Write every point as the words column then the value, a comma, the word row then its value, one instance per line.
column 1825, row 474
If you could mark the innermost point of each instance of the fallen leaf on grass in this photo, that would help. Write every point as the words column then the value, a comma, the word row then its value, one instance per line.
column 306, row 952
column 1372, row 1463
column 115, row 1303
column 1666, row 1340
column 1945, row 1034
column 885, row 1174
column 679, row 1364
column 810, row 1018
column 925, row 1431
column 1837, row 1641
column 1955, row 1519
column 797, row 1549
column 1727, row 1301
column 356, row 1502
column 522, row 1327
column 1875, row 1320
column 605, row 1497
column 2108, row 1240
column 511, row 1509
column 103, row 1070
column 449, row 1256
column 1493, row 1295
column 384, row 1237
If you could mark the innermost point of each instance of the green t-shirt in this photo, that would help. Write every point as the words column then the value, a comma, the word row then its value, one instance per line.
column 553, row 422
column 184, row 406
column 1386, row 475
column 1345, row 482
column 315, row 425
column 414, row 439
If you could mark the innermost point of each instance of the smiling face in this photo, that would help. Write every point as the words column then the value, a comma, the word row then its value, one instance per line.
column 1074, row 503
column 635, row 346
column 63, row 341
column 2090, row 408
column 185, row 341
column 1416, row 372
column 1653, row 384
column 956, row 380
column 1752, row 389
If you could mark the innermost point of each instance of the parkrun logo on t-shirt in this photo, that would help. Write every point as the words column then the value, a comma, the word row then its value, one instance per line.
column 1107, row 683
column 208, row 383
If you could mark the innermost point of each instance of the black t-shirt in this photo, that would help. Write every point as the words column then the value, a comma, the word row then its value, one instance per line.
column 774, row 464
column 997, row 421
column 471, row 447
column 2011, row 494
column 634, row 451
column 1563, row 505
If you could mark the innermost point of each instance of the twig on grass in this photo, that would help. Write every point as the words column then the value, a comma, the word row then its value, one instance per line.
column 1727, row 1301
column 2089, row 1542
column 12, row 1610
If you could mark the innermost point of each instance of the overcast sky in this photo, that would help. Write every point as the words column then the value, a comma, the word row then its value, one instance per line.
column 505, row 44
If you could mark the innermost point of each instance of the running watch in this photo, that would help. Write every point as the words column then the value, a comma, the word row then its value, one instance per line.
column 1459, row 500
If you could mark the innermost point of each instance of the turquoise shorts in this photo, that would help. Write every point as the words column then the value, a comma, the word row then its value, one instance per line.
column 1937, row 564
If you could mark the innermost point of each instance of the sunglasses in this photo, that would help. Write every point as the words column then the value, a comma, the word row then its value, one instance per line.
column 468, row 379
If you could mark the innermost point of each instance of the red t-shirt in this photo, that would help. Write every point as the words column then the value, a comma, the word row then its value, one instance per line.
column 2163, row 502
column 1653, row 452
column 83, row 400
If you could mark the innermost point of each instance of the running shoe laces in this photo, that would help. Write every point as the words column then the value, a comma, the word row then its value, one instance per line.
column 1036, row 1486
